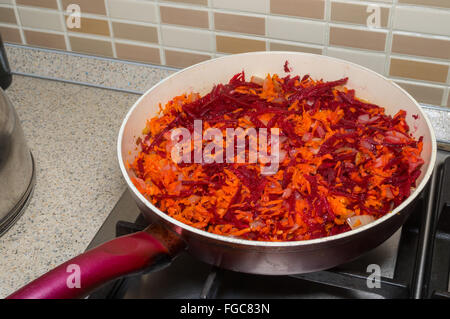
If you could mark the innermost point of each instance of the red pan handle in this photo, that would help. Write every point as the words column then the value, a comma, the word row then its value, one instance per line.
column 123, row 255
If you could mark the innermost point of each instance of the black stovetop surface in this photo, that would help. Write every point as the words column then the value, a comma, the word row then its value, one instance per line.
column 414, row 262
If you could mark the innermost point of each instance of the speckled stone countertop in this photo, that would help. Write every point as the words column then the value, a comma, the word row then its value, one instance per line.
column 72, row 132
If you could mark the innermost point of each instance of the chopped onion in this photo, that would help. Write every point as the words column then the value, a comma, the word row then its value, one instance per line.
column 266, row 84
column 358, row 221
column 195, row 97
column 374, row 119
column 282, row 156
column 257, row 223
column 257, row 80
column 168, row 135
column 169, row 146
column 366, row 119
column 378, row 162
column 395, row 137
column 279, row 100
column 366, row 144
column 141, row 182
column 320, row 131
column 414, row 165
column 194, row 199
column 345, row 149
column 287, row 193
column 276, row 86
column 178, row 188
column 307, row 137
column 349, row 165
column 363, row 119
column 389, row 193
column 314, row 150
column 293, row 152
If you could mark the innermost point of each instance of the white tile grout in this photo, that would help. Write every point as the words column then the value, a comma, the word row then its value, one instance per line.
column 411, row 81
column 182, row 5
column 111, row 31
column 211, row 54
column 212, row 27
column 19, row 22
column 138, row 43
column 388, row 49
column 162, row 54
column 327, row 29
column 240, row 13
column 64, row 24
column 445, row 97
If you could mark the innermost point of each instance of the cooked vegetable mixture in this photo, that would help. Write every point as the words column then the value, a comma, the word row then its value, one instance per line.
column 342, row 162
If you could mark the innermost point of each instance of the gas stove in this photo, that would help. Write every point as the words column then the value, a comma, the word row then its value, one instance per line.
column 413, row 263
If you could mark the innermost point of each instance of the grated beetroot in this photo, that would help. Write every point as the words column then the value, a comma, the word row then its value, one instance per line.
column 344, row 157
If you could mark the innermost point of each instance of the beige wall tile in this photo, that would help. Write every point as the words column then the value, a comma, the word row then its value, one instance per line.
column 92, row 26
column 44, row 39
column 423, row 20
column 199, row 40
column 301, row 8
column 91, row 46
column 186, row 17
column 228, row 44
column 355, row 13
column 361, row 39
column 51, row 4
column 180, row 59
column 7, row 15
column 40, row 19
column 421, row 46
column 135, row 32
column 197, row 2
column 434, row 3
column 87, row 6
column 296, row 30
column 424, row 94
column 144, row 11
column 418, row 70
column 257, row 6
column 373, row 61
column 239, row 23
column 6, row 1
column 277, row 46
column 138, row 53
column 10, row 34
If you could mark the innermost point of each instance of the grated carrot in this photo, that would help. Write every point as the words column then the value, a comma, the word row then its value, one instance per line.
column 345, row 157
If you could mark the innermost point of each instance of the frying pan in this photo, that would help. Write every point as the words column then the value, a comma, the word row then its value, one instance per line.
column 166, row 237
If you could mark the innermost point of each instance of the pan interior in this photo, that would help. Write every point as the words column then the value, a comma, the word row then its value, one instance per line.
column 201, row 77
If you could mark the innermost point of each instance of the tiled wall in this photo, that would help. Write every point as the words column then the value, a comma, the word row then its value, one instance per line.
column 411, row 45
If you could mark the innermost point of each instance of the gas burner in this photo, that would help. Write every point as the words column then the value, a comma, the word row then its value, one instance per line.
column 413, row 263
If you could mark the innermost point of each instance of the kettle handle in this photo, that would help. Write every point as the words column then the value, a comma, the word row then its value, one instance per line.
column 5, row 70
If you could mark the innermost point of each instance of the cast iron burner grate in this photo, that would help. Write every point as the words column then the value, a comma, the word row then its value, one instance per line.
column 421, row 269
